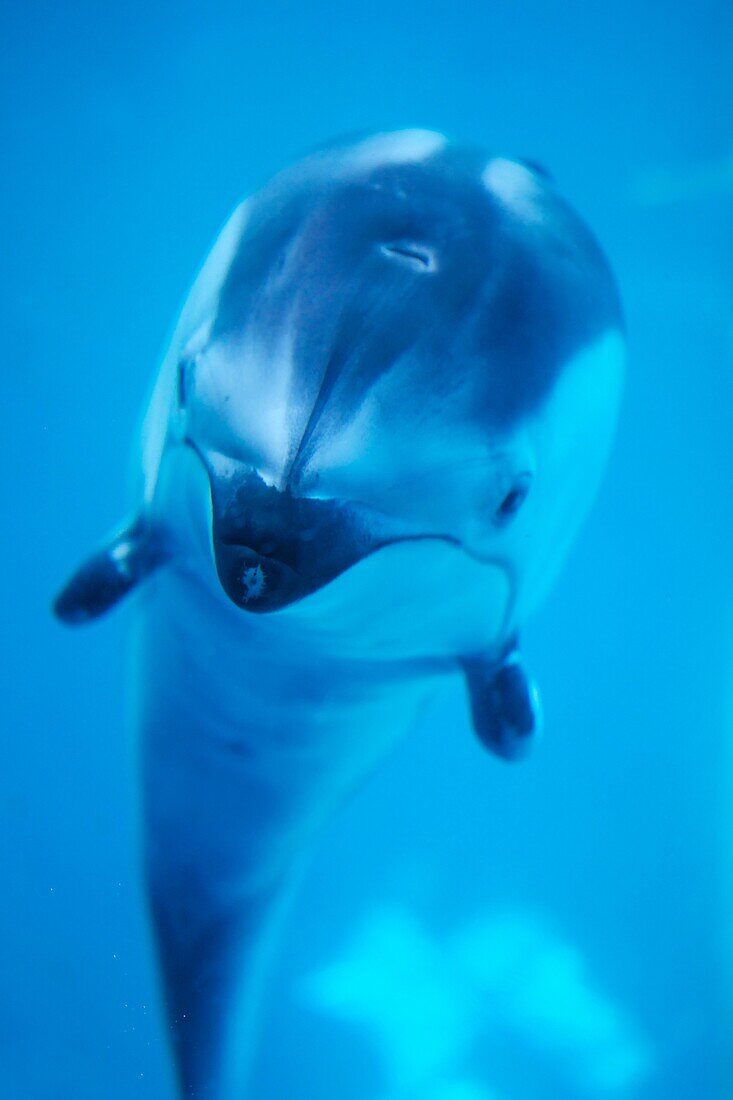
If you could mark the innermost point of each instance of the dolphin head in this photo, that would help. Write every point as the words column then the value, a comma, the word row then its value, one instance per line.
column 402, row 381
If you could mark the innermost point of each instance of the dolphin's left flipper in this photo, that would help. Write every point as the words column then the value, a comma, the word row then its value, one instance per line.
column 111, row 573
column 505, row 704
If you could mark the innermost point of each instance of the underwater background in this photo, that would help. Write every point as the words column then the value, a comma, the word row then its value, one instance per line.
column 468, row 930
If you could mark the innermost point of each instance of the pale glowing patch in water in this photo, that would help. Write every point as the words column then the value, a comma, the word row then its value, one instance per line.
column 540, row 987
column 426, row 1002
column 393, row 982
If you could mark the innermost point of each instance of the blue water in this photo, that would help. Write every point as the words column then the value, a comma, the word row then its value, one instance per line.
column 557, row 930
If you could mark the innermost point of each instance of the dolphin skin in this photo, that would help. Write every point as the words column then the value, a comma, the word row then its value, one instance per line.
column 385, row 411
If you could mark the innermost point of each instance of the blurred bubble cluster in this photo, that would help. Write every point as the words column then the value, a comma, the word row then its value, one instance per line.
column 428, row 1003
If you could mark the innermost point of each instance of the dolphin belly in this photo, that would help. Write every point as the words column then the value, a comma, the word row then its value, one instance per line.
column 247, row 749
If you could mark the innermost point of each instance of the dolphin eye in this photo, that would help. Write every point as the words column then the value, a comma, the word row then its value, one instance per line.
column 417, row 256
column 512, row 501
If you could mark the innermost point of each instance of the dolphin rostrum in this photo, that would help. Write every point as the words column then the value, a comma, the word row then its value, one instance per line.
column 385, row 410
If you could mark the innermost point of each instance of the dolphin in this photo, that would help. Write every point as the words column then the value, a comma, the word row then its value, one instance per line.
column 383, row 414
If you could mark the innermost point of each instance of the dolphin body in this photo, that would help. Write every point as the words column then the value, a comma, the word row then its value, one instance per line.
column 384, row 412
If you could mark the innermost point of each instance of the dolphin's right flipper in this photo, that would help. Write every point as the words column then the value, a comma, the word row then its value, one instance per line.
column 110, row 574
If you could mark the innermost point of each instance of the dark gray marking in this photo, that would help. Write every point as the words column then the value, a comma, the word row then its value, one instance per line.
column 499, row 302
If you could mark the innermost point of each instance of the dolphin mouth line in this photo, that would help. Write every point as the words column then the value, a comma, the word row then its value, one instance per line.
column 273, row 548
